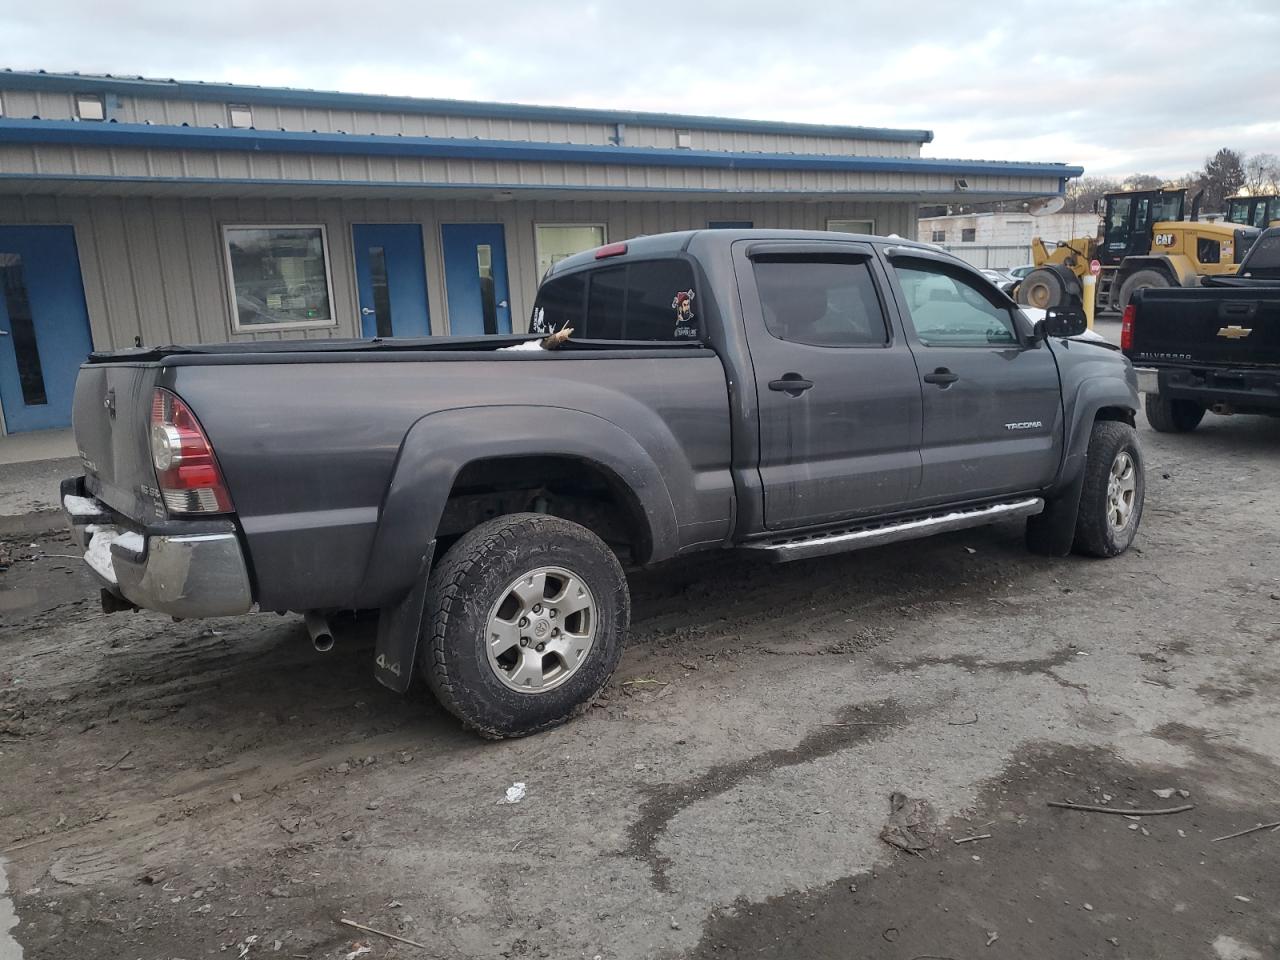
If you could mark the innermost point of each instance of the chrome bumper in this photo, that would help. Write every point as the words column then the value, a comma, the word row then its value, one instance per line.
column 197, row 574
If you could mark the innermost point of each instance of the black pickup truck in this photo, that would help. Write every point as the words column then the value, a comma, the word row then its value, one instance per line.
column 1215, row 347
column 788, row 393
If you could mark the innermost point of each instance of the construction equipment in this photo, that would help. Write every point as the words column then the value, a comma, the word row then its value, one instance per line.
column 1143, row 242
column 1260, row 212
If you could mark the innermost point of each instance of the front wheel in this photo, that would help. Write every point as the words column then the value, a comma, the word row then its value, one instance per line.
column 1139, row 280
column 527, row 615
column 1114, row 489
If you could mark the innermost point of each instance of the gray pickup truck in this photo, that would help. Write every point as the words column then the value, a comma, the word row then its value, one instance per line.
column 789, row 393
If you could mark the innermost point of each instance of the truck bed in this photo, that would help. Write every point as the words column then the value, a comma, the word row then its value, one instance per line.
column 308, row 435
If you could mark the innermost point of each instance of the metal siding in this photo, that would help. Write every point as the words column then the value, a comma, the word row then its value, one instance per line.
column 155, row 267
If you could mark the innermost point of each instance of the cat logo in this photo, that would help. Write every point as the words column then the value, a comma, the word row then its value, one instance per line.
column 1234, row 332
column 1164, row 239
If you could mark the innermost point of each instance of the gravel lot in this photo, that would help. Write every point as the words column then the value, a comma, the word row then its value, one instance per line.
column 218, row 788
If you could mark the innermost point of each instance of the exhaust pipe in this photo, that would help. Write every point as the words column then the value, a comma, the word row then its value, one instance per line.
column 318, row 628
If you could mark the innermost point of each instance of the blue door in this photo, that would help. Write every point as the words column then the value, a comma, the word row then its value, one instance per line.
column 475, row 278
column 391, row 279
column 44, row 326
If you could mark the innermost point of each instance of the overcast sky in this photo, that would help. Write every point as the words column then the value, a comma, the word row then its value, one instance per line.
column 1118, row 87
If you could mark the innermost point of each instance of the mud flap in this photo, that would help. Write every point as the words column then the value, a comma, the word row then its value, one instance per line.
column 1052, row 532
column 399, row 626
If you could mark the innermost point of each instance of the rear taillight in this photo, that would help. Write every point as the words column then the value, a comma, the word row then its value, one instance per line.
column 187, row 472
column 1126, row 327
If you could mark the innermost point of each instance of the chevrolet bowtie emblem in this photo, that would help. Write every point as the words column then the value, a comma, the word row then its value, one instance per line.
column 1235, row 333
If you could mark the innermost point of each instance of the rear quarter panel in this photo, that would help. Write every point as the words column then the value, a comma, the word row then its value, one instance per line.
column 309, row 449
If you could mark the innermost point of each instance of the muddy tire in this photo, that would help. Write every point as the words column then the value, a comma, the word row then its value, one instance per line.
column 1168, row 415
column 526, row 620
column 1140, row 280
column 1114, row 488
column 1040, row 288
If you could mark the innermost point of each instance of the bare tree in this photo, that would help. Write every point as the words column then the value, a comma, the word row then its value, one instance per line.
column 1083, row 194
column 1142, row 181
column 1262, row 173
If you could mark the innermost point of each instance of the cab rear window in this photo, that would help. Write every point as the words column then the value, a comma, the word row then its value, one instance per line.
column 650, row 300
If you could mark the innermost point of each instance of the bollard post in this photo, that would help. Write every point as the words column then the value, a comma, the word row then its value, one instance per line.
column 1090, row 283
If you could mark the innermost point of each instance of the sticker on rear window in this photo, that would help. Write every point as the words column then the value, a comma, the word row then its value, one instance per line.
column 682, row 304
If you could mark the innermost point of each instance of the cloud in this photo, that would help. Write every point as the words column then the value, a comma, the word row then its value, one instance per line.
column 1117, row 88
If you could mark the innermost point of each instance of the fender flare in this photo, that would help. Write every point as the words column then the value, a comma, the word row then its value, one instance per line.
column 1091, row 396
column 433, row 453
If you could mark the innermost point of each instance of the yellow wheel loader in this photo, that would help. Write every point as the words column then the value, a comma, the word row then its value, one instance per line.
column 1143, row 242
column 1260, row 212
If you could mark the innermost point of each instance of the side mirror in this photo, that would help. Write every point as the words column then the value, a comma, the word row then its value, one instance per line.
column 1067, row 320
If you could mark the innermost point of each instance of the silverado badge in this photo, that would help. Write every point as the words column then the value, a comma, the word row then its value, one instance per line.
column 1234, row 332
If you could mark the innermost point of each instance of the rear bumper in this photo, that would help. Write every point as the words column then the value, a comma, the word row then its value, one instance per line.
column 1243, row 390
column 194, row 569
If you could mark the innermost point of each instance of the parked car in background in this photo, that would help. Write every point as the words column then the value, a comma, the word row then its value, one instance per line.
column 789, row 393
column 1020, row 273
column 1005, row 281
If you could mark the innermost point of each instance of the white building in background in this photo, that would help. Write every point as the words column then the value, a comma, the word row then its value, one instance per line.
column 1003, row 239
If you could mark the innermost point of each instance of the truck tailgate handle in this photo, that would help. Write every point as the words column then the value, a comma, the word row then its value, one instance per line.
column 791, row 384
column 1237, row 309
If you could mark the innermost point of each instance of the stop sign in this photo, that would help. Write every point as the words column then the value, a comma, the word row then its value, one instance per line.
column 1095, row 267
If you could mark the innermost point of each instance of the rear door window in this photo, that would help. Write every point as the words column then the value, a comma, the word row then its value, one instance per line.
column 651, row 300
column 823, row 302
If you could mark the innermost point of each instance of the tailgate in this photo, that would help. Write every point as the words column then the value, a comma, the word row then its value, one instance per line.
column 1216, row 326
column 111, row 417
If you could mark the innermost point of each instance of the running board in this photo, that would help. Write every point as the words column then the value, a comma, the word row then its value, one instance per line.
column 838, row 541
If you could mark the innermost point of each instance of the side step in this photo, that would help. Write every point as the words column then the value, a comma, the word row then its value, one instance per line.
column 838, row 541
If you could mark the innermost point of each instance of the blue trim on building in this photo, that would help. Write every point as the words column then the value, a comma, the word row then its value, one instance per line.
column 88, row 134
column 505, row 187
column 326, row 100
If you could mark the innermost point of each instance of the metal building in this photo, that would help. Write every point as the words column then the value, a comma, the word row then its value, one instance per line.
column 157, row 211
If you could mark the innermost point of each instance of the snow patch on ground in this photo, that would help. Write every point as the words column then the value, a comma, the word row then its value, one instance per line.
column 10, row 949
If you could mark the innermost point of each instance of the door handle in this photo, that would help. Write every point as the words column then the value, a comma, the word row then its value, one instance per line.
column 942, row 377
column 792, row 384
column 367, row 311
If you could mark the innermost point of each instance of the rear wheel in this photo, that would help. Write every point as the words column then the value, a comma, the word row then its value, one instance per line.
column 527, row 619
column 1140, row 280
column 1041, row 289
column 1173, row 416
column 1113, row 493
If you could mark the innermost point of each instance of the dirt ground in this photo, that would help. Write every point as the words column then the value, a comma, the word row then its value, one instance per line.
column 220, row 789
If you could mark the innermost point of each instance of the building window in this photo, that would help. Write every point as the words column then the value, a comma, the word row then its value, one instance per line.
column 240, row 115
column 968, row 234
column 684, row 140
column 851, row 226
column 938, row 236
column 90, row 106
column 554, row 241
column 279, row 276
